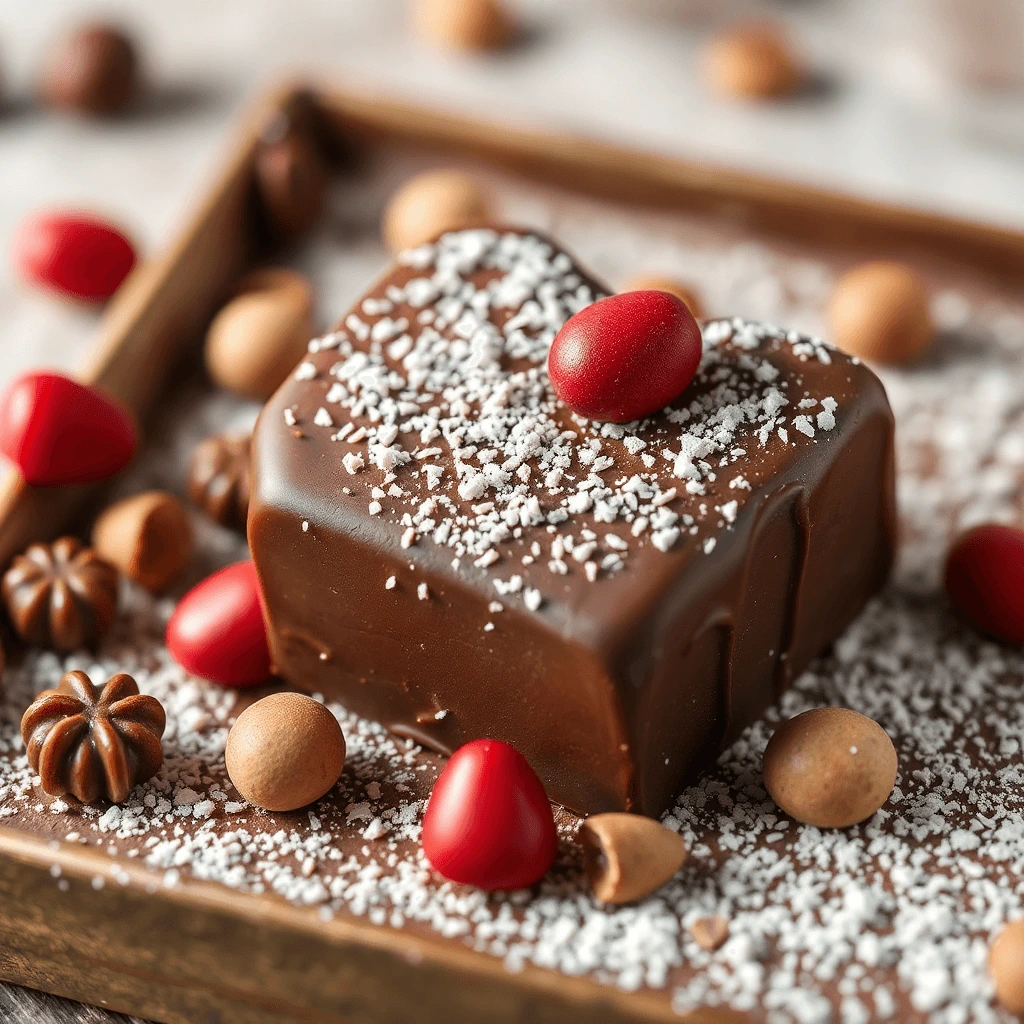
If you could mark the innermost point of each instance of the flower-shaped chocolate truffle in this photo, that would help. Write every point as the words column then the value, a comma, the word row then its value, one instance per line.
column 218, row 479
column 61, row 595
column 93, row 743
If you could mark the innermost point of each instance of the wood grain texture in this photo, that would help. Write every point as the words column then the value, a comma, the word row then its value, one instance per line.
column 199, row 953
column 154, row 319
column 778, row 207
column 26, row 1006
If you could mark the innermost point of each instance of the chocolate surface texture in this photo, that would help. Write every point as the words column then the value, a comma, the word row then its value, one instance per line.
column 445, row 548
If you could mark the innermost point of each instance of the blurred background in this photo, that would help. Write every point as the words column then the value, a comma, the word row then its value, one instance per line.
column 918, row 102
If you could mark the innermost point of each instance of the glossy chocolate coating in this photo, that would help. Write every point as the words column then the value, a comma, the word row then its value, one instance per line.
column 618, row 680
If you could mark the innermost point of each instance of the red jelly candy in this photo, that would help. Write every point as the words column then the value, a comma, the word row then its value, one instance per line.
column 488, row 822
column 625, row 357
column 61, row 432
column 217, row 631
column 73, row 254
column 985, row 579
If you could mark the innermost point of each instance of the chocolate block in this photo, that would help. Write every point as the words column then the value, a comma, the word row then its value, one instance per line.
column 446, row 548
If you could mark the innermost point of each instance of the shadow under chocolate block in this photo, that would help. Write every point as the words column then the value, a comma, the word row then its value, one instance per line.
column 446, row 548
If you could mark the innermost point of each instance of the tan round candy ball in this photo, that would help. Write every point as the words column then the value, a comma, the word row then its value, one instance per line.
column 654, row 283
column 879, row 311
column 261, row 334
column 463, row 24
column 430, row 204
column 752, row 62
column 830, row 767
column 1006, row 966
column 284, row 752
column 147, row 537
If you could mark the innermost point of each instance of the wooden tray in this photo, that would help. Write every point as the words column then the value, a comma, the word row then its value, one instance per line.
column 200, row 952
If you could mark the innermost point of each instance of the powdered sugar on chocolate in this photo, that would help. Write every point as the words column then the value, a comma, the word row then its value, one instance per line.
column 449, row 408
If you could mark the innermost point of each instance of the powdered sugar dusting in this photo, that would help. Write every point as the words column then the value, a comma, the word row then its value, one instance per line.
column 452, row 411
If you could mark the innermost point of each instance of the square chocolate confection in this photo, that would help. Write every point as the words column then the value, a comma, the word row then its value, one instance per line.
column 446, row 548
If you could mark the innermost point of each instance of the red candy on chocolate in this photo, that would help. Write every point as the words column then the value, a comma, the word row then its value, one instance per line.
column 985, row 579
column 74, row 254
column 625, row 357
column 59, row 431
column 217, row 630
column 488, row 822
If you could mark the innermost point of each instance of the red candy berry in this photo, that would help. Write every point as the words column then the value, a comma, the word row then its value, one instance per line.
column 58, row 431
column 73, row 254
column 625, row 357
column 217, row 631
column 488, row 822
column 985, row 579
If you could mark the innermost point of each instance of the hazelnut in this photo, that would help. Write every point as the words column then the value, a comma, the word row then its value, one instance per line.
column 292, row 179
column 147, row 537
column 753, row 62
column 94, row 70
column 654, row 283
column 463, row 24
column 830, row 767
column 429, row 205
column 879, row 311
column 284, row 752
column 628, row 857
column 1006, row 966
column 259, row 336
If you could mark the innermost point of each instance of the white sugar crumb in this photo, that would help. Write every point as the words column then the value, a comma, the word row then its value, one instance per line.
column 804, row 425
column 422, row 591
column 389, row 583
column 826, row 419
column 305, row 371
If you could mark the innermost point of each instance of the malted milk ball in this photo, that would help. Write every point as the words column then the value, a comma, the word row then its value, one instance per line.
column 284, row 752
column 430, row 204
column 656, row 283
column 1006, row 966
column 879, row 311
column 262, row 333
column 830, row 767
column 752, row 62
column 463, row 24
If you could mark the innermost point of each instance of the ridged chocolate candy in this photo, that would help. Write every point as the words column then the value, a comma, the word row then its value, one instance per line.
column 61, row 595
column 94, row 743
column 218, row 479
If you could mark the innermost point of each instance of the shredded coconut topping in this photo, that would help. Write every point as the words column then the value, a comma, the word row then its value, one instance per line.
column 459, row 416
